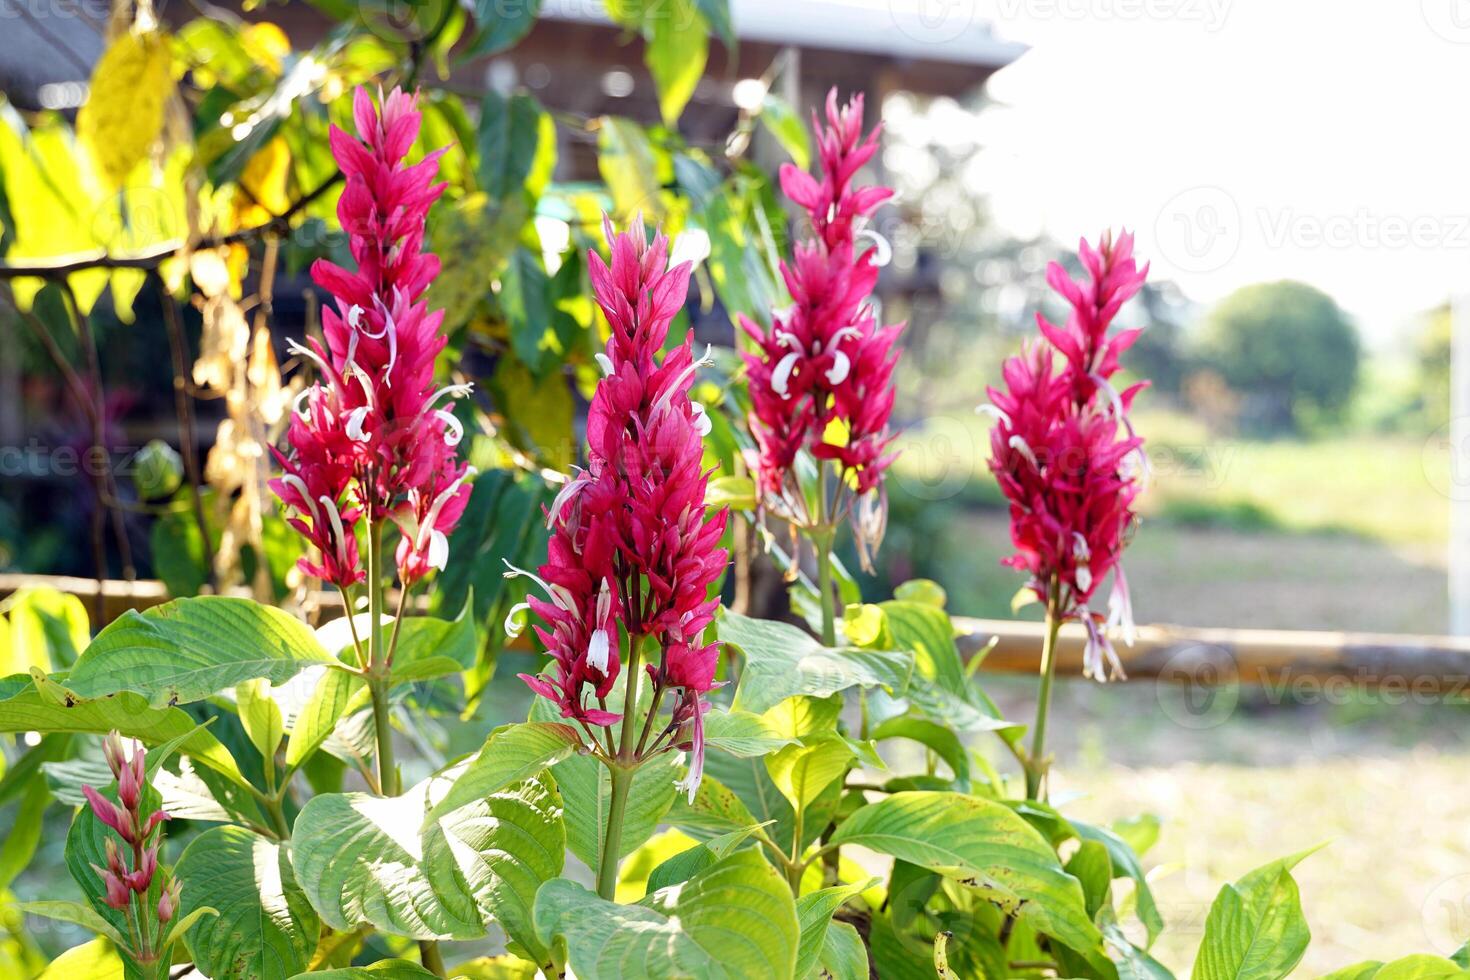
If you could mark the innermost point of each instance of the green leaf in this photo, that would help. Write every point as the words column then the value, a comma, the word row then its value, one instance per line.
column 735, row 492
column 735, row 919
column 183, row 924
column 586, row 786
column 802, row 772
column 260, row 715
column 981, row 841
column 501, row 24
column 361, row 861
column 511, row 754
column 95, row 959
column 844, row 956
column 741, row 733
column 786, row 125
column 782, row 661
column 625, row 159
column 945, row 743
column 717, row 13
column 687, row 863
column 678, row 45
column 76, row 913
column 381, row 970
column 188, row 649
column 923, row 591
column 427, row 638
column 815, row 910
column 716, row 809
column 317, row 719
column 525, row 296
column 509, row 133
column 44, row 707
column 1125, row 862
column 1420, row 966
column 48, row 629
column 23, row 832
column 1255, row 929
column 265, row 927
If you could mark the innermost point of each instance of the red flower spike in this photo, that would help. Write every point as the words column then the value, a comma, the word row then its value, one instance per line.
column 371, row 438
column 825, row 359
column 1065, row 455
column 633, row 551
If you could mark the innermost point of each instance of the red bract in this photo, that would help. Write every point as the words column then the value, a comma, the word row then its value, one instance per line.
column 372, row 438
column 825, row 360
column 127, row 820
column 633, row 552
column 1065, row 456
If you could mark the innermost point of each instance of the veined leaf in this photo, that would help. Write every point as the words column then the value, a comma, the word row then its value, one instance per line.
column 1125, row 862
column 1255, row 929
column 42, row 707
column 511, row 754
column 188, row 649
column 735, row 919
column 362, row 860
column 802, row 772
column 688, row 863
column 815, row 911
column 381, row 970
column 678, row 46
column 500, row 25
column 629, row 168
column 265, row 928
column 76, row 913
column 742, row 733
column 782, row 661
column 979, row 840
column 844, row 955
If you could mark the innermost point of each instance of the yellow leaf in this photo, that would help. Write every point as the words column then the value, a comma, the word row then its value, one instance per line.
column 123, row 114
column 264, row 178
column 267, row 44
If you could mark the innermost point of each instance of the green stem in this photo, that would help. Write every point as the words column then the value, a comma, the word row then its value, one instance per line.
column 823, row 541
column 1036, row 764
column 377, row 670
column 607, row 871
column 278, row 814
column 622, row 768
column 431, row 958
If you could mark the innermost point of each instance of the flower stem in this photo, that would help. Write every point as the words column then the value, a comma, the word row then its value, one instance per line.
column 607, row 872
column 1036, row 765
column 431, row 958
column 823, row 541
column 377, row 674
column 622, row 768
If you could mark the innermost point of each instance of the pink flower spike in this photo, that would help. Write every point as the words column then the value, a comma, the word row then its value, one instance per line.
column 109, row 813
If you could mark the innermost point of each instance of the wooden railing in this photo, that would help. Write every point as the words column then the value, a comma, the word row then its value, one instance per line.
column 1421, row 665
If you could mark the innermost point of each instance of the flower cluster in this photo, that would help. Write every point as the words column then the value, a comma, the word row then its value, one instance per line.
column 133, row 873
column 372, row 438
column 1064, row 453
column 633, row 552
column 822, row 378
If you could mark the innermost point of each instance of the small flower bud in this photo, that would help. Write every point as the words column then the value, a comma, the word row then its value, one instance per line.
column 116, row 893
column 168, row 902
column 109, row 813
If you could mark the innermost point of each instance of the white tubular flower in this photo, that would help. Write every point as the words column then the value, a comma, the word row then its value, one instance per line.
column 355, row 419
column 882, row 251
column 781, row 377
column 702, row 423
column 604, row 362
column 1020, row 446
column 453, row 428
column 841, row 366
column 515, row 620
column 691, row 245
column 597, row 651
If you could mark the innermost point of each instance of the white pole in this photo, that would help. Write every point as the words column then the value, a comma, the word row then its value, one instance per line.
column 1459, row 465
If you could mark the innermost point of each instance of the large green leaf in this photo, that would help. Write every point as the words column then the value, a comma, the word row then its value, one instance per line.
column 525, row 297
column 314, row 723
column 844, row 955
column 802, row 772
column 689, row 862
column 266, row 929
column 1125, row 862
column 586, row 786
column 1420, row 966
column 362, row 860
column 381, row 970
column 188, row 649
column 511, row 754
column 742, row 733
column 983, row 841
column 1255, row 929
column 44, row 706
column 510, row 129
column 781, row 661
column 716, row 809
column 815, row 911
column 735, row 919
column 678, row 45
column 501, row 25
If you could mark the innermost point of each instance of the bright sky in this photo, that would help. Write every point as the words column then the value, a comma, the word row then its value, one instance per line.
column 1245, row 140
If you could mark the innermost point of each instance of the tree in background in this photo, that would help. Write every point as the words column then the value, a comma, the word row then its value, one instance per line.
column 1287, row 349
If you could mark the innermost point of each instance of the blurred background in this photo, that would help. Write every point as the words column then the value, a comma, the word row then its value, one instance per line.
column 1294, row 173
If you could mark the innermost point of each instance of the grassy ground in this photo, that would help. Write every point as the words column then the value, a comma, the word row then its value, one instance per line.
column 1345, row 533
